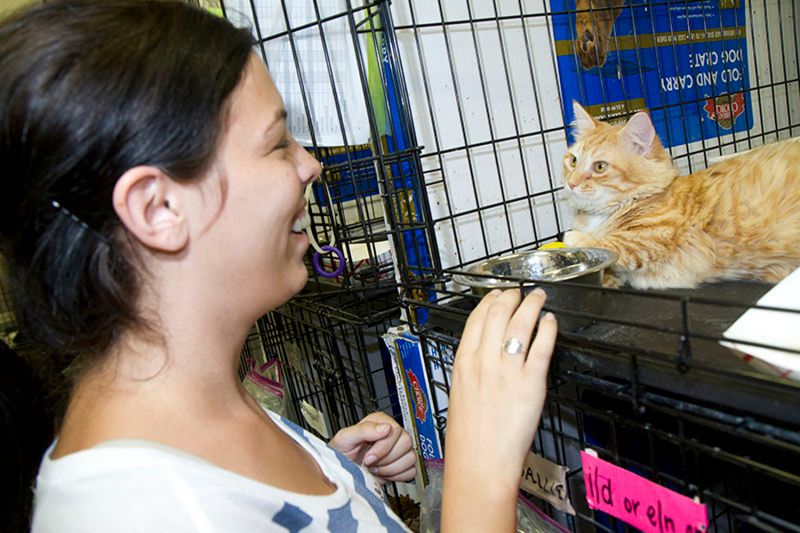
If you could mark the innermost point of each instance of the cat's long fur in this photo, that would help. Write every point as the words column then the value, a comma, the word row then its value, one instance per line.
column 738, row 219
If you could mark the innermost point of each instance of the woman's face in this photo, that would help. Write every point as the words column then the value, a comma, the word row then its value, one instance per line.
column 255, row 243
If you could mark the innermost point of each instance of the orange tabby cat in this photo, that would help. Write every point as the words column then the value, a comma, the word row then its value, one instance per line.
column 738, row 219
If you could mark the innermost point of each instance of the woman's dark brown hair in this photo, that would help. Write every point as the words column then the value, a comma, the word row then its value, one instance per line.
column 88, row 90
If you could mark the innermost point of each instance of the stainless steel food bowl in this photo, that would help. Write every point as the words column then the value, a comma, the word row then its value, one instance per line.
column 583, row 266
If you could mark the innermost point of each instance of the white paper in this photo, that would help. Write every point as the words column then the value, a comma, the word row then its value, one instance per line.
column 779, row 329
column 315, row 418
column 547, row 480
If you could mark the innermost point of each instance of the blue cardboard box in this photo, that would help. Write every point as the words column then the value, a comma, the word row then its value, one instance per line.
column 685, row 61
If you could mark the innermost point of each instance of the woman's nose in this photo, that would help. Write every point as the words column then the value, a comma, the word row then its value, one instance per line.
column 308, row 168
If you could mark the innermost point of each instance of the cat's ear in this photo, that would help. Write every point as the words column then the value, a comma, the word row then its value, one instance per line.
column 640, row 133
column 584, row 122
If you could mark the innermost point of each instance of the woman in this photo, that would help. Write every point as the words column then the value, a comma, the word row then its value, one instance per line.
column 153, row 209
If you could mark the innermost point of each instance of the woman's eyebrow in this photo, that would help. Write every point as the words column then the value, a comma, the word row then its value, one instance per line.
column 279, row 116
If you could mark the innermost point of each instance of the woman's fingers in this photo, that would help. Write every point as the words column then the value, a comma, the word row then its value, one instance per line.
column 406, row 475
column 391, row 449
column 517, row 340
column 542, row 347
column 498, row 316
column 473, row 329
column 407, row 461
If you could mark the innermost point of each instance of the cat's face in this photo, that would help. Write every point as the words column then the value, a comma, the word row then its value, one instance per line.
column 596, row 169
column 609, row 164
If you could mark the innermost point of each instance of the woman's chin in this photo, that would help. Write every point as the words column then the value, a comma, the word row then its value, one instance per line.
column 286, row 288
column 299, row 281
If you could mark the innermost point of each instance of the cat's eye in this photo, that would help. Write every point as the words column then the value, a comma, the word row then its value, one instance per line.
column 600, row 167
column 571, row 160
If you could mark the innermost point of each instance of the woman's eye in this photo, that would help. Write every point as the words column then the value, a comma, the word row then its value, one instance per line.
column 600, row 167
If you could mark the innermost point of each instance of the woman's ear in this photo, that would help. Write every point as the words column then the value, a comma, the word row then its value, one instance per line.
column 148, row 204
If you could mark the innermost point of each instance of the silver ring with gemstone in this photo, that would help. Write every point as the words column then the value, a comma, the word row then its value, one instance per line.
column 512, row 346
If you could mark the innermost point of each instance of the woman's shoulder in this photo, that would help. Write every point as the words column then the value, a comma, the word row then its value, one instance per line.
column 132, row 485
column 120, row 461
column 117, row 486
column 129, row 485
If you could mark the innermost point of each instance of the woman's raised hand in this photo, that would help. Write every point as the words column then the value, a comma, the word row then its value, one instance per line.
column 497, row 393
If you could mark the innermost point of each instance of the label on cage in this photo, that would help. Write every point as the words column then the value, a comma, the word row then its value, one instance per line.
column 548, row 481
column 638, row 501
column 314, row 418
column 684, row 61
column 294, row 357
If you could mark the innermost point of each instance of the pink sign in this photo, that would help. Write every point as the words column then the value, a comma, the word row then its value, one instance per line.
column 638, row 501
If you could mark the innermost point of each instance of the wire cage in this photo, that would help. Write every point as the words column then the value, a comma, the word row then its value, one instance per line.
column 335, row 369
column 641, row 376
column 345, row 97
column 682, row 420
column 333, row 357
column 491, row 85
column 335, row 65
column 442, row 126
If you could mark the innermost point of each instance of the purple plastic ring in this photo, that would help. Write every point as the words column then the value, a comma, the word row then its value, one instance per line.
column 317, row 260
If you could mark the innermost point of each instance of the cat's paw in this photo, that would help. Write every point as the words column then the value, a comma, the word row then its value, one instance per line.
column 612, row 281
column 578, row 239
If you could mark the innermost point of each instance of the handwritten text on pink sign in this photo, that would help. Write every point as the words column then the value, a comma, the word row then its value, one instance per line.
column 638, row 501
